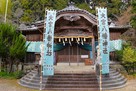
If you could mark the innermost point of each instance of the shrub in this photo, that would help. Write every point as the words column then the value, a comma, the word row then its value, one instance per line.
column 129, row 55
column 14, row 75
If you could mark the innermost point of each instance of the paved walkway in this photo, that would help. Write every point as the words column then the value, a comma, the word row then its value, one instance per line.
column 73, row 68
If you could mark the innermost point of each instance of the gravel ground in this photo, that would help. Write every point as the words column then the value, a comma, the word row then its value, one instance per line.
column 12, row 85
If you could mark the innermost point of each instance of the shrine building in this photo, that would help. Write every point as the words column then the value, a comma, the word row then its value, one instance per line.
column 75, row 41
column 75, row 36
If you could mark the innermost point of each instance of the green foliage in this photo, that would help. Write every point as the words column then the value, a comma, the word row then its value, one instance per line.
column 18, row 48
column 6, row 33
column 129, row 55
column 114, row 8
column 133, row 19
column 14, row 75
column 34, row 10
column 119, row 55
column 133, row 6
column 86, row 7
column 59, row 4
column 133, row 22
column 28, row 11
column 12, row 44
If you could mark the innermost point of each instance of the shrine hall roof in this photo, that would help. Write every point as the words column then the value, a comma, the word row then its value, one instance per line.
column 72, row 8
column 68, row 9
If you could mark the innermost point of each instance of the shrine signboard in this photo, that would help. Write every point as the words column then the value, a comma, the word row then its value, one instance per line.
column 48, row 58
column 104, row 39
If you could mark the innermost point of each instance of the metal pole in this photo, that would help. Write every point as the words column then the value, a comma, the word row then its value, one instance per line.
column 100, row 76
column 6, row 11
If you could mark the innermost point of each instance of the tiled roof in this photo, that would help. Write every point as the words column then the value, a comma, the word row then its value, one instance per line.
column 72, row 8
column 120, row 27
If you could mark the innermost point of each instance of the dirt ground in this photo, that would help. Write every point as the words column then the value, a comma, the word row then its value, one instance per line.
column 12, row 85
column 130, row 86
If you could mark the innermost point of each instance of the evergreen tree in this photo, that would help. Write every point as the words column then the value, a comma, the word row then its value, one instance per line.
column 12, row 44
column 133, row 19
column 34, row 10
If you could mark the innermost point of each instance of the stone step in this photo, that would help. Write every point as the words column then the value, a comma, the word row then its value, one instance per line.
column 114, row 83
column 68, row 85
column 73, row 76
column 113, row 80
column 60, row 89
column 30, row 86
column 110, row 77
column 30, row 83
column 73, row 89
column 37, row 78
column 72, row 85
column 59, row 81
column 74, row 81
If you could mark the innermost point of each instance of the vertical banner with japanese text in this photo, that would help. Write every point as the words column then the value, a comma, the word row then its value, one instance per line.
column 104, row 38
column 48, row 66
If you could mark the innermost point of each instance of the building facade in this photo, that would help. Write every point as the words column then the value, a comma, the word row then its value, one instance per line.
column 76, row 36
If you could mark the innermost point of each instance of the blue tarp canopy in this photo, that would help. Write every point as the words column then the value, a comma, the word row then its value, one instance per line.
column 35, row 46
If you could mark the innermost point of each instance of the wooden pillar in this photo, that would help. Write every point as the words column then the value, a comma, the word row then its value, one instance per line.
column 93, row 49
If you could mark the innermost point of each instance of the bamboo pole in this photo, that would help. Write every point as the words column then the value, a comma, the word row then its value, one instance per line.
column 6, row 11
column 41, row 75
column 100, row 65
column 100, row 76
column 41, row 78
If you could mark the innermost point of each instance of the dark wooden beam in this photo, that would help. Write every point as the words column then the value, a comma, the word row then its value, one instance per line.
column 73, row 27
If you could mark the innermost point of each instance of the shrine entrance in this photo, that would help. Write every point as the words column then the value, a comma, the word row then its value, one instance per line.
column 72, row 54
column 75, row 50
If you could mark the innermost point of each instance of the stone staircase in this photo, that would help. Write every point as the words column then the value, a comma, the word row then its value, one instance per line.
column 62, row 81
column 113, row 81
column 73, row 81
